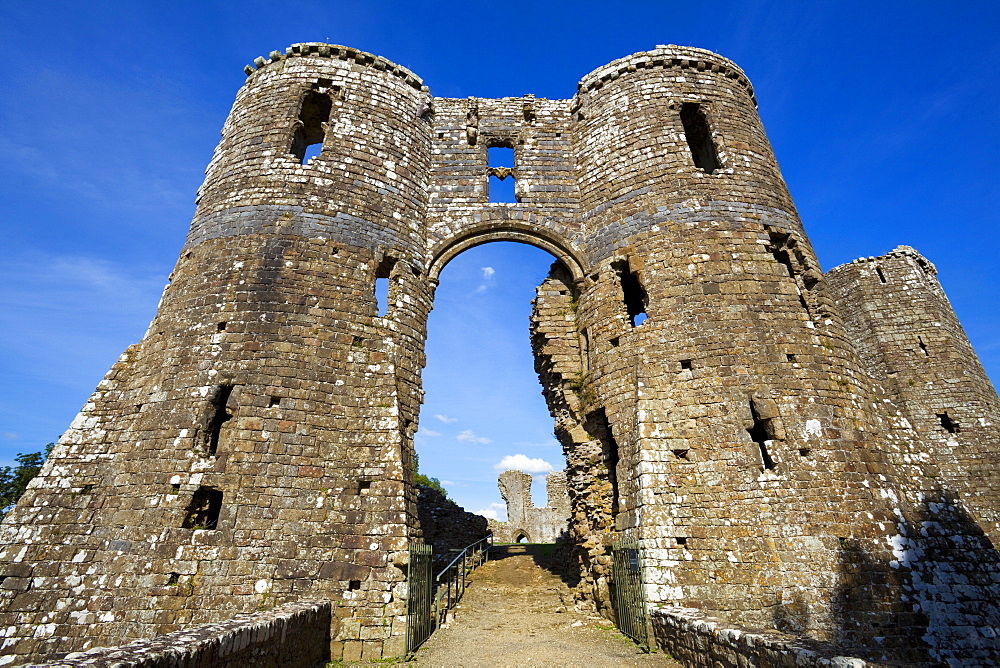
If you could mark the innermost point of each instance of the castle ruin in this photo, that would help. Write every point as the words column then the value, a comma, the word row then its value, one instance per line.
column 526, row 523
column 791, row 449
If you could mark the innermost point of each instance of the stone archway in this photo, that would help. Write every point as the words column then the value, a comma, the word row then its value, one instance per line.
column 545, row 238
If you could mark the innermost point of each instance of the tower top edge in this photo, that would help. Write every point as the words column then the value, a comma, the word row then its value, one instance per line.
column 898, row 251
column 340, row 52
column 666, row 55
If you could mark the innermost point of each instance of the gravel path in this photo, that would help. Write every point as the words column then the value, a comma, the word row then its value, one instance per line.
column 517, row 613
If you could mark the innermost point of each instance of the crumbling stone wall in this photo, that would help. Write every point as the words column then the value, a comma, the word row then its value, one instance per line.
column 294, row 635
column 445, row 525
column 758, row 427
column 525, row 522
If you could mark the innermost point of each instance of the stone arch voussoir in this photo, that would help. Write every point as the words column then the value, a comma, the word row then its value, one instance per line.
column 549, row 238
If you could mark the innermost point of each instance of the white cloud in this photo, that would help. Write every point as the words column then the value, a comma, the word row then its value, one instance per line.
column 449, row 483
column 524, row 463
column 470, row 436
column 10, row 436
column 446, row 419
column 429, row 432
column 494, row 511
column 487, row 277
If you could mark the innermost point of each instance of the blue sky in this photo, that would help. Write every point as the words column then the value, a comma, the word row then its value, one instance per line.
column 884, row 118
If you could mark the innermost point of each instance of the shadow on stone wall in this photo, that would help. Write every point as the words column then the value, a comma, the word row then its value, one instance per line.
column 932, row 594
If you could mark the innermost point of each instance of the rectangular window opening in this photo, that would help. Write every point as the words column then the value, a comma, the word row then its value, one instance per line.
column 633, row 293
column 699, row 137
column 273, row 401
column 354, row 585
column 685, row 364
column 681, row 540
column 220, row 416
column 502, row 185
column 760, row 433
column 502, row 190
column 364, row 486
column 790, row 357
column 174, row 578
column 599, row 427
column 203, row 511
column 382, row 294
column 310, row 129
column 221, row 326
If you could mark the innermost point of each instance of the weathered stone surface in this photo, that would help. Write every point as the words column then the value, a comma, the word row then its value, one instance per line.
column 809, row 452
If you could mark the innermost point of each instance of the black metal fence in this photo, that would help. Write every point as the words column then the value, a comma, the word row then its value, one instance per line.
column 419, row 622
column 431, row 597
column 629, row 596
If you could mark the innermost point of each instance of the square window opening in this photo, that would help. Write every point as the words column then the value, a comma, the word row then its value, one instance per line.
column 203, row 511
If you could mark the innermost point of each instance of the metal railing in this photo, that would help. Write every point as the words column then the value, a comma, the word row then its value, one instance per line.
column 450, row 583
column 429, row 601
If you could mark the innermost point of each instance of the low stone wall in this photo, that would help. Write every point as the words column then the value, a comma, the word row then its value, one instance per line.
column 295, row 635
column 697, row 640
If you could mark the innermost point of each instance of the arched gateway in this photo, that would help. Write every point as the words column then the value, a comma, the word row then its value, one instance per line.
column 757, row 435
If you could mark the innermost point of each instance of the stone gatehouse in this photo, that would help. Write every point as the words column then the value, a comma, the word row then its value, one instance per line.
column 792, row 449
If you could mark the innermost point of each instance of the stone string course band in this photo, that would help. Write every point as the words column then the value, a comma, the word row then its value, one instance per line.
column 810, row 453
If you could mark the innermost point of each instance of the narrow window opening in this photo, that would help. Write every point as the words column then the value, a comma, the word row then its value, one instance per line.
column 176, row 487
column 685, row 364
column 923, row 346
column 382, row 294
column 310, row 129
column 599, row 427
column 681, row 540
column 440, row 135
column 221, row 326
column 219, row 417
column 500, row 161
column 948, row 424
column 881, row 276
column 699, row 137
column 354, row 585
column 779, row 249
column 274, row 401
column 585, row 350
column 760, row 434
column 634, row 295
column 203, row 511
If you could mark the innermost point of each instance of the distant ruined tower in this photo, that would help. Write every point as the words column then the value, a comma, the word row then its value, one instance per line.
column 528, row 523
column 790, row 449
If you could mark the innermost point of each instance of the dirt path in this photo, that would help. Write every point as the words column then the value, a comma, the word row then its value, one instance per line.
column 516, row 613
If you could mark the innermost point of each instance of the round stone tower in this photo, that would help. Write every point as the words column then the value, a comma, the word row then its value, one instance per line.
column 717, row 384
column 254, row 447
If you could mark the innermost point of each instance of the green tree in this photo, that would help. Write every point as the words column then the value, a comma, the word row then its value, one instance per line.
column 425, row 481
column 14, row 481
